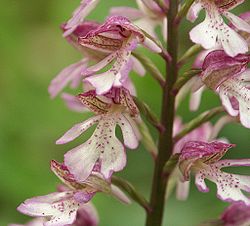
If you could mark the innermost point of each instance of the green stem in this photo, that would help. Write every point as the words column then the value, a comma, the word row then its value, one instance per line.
column 149, row 115
column 159, row 185
column 184, row 9
column 199, row 120
column 131, row 191
column 193, row 50
column 184, row 79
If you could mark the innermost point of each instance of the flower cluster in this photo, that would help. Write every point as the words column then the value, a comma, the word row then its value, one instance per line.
column 103, row 73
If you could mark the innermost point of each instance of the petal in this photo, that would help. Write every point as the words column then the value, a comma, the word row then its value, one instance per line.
column 236, row 214
column 113, row 77
column 100, row 65
column 128, row 84
column 148, row 25
column 130, row 13
column 125, row 99
column 165, row 29
column 195, row 99
column 151, row 45
column 81, row 160
column 227, row 103
column 182, row 190
column 39, row 221
column 128, row 126
column 218, row 126
column 62, row 172
column 73, row 103
column 102, row 82
column 60, row 206
column 200, row 182
column 87, row 215
column 228, row 4
column 94, row 103
column 194, row 11
column 229, row 186
column 138, row 67
column 112, row 153
column 83, row 196
column 86, row 6
column 182, row 94
column 119, row 194
column 202, row 34
column 238, row 22
column 65, row 76
column 245, row 76
column 233, row 162
column 235, row 88
column 77, row 130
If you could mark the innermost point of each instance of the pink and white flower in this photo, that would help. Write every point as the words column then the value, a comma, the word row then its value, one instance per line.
column 103, row 146
column 73, row 74
column 213, row 32
column 86, row 6
column 229, row 77
column 148, row 16
column 203, row 160
column 118, row 37
column 205, row 133
column 60, row 207
column 70, row 205
column 86, row 216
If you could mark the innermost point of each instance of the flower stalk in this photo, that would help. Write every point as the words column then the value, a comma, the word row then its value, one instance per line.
column 150, row 67
column 157, row 200
column 199, row 120
column 131, row 191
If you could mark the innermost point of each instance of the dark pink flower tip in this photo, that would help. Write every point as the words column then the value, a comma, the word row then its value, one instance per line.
column 236, row 215
column 82, row 29
column 221, row 58
column 203, row 150
column 61, row 171
column 245, row 16
column 218, row 67
column 87, row 216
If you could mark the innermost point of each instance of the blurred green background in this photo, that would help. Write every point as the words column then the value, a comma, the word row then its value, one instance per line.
column 32, row 52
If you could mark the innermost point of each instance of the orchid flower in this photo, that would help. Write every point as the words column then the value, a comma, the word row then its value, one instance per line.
column 213, row 32
column 147, row 17
column 205, row 133
column 203, row 160
column 71, row 204
column 60, row 207
column 229, row 77
column 73, row 73
column 103, row 146
column 86, row 216
column 118, row 37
